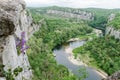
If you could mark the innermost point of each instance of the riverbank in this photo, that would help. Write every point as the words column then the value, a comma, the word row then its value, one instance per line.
column 86, row 37
column 73, row 39
column 71, row 57
column 77, row 61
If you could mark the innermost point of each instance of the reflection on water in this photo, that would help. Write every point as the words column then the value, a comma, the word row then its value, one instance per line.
column 62, row 58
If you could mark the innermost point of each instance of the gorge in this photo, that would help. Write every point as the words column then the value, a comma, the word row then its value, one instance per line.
column 43, row 29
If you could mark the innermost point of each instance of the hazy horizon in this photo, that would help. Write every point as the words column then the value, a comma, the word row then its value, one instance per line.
column 106, row 4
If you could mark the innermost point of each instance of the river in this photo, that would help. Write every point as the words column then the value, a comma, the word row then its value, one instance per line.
column 62, row 57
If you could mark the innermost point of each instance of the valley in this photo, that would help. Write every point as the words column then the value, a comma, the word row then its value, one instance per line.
column 58, row 43
column 58, row 30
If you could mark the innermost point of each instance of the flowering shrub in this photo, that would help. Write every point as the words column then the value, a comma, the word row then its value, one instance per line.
column 21, row 45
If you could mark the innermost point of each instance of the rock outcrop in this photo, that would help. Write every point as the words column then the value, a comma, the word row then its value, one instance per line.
column 113, row 32
column 76, row 14
column 13, row 21
column 110, row 30
column 111, row 17
column 115, row 76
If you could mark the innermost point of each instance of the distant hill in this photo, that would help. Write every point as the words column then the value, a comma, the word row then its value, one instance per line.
column 101, row 17
column 101, row 12
column 64, row 12
column 95, row 11
column 98, row 16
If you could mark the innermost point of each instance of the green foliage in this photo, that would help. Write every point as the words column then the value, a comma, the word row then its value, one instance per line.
column 60, row 30
column 103, row 52
column 16, row 71
column 101, row 12
column 54, row 32
column 43, row 63
column 9, row 74
column 115, row 22
column 35, row 15
column 99, row 22
column 1, row 70
column 36, row 18
column 100, row 17
column 28, row 12
column 18, row 51
column 83, row 73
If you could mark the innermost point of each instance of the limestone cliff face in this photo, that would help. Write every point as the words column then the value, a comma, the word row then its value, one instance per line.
column 110, row 30
column 13, row 21
column 113, row 32
column 77, row 14
column 111, row 17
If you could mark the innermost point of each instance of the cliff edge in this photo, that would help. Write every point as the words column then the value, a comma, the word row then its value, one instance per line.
column 14, row 20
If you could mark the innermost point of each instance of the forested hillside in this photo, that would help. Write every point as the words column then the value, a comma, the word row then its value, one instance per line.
column 101, row 17
column 59, row 43
column 115, row 23
column 61, row 12
column 102, row 53
column 54, row 32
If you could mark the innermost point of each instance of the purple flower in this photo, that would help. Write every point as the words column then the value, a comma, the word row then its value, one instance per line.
column 22, row 43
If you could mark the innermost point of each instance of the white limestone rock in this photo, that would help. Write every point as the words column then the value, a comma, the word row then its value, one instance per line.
column 113, row 32
column 78, row 14
column 111, row 17
column 110, row 30
column 13, row 21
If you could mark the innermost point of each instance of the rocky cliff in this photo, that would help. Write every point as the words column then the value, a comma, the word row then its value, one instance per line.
column 113, row 32
column 14, row 20
column 115, row 76
column 111, row 29
column 76, row 14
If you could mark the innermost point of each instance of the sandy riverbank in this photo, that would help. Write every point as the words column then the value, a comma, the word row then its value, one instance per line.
column 71, row 57
column 79, row 62
column 73, row 39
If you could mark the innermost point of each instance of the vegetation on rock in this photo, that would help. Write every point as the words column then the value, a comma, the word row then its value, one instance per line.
column 115, row 23
column 100, row 17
